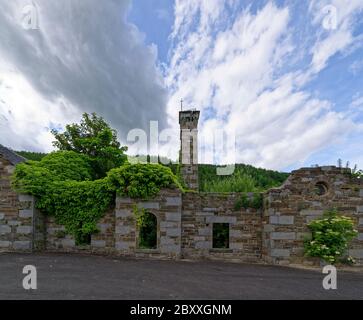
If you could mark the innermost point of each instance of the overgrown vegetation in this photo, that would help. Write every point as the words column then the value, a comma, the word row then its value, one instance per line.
column 67, row 183
column 330, row 237
column 255, row 201
column 141, row 180
column 245, row 178
column 147, row 225
column 355, row 172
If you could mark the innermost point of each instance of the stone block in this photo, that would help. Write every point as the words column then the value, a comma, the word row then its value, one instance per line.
column 360, row 222
column 220, row 219
column 171, row 248
column 22, row 245
column 303, row 235
column 124, row 245
column 360, row 209
column 25, row 198
column 361, row 193
column 2, row 216
column 280, row 252
column 173, row 232
column 236, row 246
column 203, row 213
column 68, row 243
column 204, row 231
column 360, row 236
column 166, row 224
column 210, row 209
column 27, row 213
column 103, row 227
column 123, row 213
column 123, row 200
column 283, row 235
column 5, row 244
column 268, row 228
column 173, row 201
column 166, row 241
column 235, row 233
column 173, row 216
column 311, row 218
column 24, row 229
column 98, row 243
column 122, row 230
column 309, row 212
column 5, row 229
column 286, row 220
column 203, row 245
column 356, row 253
column 149, row 205
column 53, row 231
column 14, row 223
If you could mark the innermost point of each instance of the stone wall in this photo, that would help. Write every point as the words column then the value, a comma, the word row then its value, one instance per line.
column 201, row 210
column 167, row 209
column 289, row 208
column 16, row 214
column 57, row 240
column 274, row 234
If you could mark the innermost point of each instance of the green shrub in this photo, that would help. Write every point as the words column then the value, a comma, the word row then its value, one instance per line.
column 330, row 237
column 141, row 180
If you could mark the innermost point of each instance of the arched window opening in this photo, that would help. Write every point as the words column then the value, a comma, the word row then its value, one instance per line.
column 147, row 231
column 320, row 188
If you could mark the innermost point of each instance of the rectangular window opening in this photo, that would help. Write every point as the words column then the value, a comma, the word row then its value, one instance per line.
column 220, row 235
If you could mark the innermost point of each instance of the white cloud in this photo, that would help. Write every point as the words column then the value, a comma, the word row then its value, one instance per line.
column 84, row 57
column 338, row 38
column 236, row 73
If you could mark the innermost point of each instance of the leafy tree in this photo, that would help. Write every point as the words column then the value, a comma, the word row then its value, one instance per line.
column 94, row 138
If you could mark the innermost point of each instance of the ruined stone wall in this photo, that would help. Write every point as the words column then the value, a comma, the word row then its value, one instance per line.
column 289, row 208
column 167, row 209
column 201, row 210
column 16, row 214
column 56, row 239
column 274, row 234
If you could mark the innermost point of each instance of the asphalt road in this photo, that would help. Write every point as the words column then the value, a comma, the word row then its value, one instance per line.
column 61, row 276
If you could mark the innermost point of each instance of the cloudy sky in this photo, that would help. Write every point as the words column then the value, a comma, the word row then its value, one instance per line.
column 285, row 78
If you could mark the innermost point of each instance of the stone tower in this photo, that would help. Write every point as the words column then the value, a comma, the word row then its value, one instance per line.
column 188, row 158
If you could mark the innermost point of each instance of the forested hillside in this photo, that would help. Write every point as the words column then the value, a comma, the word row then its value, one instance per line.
column 245, row 178
column 36, row 156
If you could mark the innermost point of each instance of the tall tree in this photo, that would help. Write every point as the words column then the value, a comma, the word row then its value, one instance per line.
column 94, row 137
